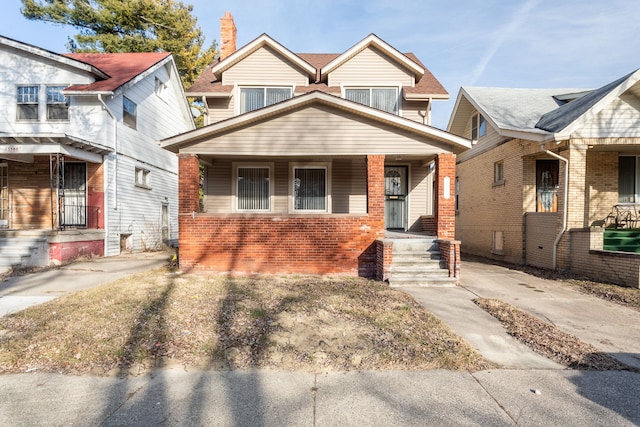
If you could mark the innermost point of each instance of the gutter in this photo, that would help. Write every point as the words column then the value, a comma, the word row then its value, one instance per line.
column 564, row 203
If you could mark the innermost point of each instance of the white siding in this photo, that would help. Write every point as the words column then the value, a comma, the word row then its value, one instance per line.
column 621, row 118
column 264, row 66
column 370, row 67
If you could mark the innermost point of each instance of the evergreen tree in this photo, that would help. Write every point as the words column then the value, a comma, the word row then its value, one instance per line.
column 130, row 26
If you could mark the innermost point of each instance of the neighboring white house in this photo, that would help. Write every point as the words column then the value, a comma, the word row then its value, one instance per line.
column 81, row 172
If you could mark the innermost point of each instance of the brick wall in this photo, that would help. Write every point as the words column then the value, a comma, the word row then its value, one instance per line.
column 450, row 253
column 294, row 243
column 614, row 267
column 445, row 207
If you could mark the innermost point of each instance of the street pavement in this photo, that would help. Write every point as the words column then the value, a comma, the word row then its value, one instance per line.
column 526, row 389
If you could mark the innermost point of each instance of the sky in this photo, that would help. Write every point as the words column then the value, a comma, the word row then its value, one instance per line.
column 502, row 43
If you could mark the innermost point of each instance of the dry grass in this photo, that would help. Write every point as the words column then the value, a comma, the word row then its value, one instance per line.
column 548, row 340
column 304, row 323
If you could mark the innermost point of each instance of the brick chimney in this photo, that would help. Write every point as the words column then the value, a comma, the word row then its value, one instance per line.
column 227, row 35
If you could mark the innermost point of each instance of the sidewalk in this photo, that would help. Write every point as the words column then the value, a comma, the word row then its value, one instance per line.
column 175, row 397
column 20, row 292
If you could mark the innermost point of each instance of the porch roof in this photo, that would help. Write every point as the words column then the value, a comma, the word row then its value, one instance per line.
column 23, row 146
column 295, row 136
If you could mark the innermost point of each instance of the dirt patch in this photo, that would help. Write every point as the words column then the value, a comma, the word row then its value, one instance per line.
column 548, row 340
column 287, row 323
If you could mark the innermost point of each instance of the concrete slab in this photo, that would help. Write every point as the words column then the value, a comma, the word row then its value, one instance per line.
column 610, row 327
column 11, row 304
column 454, row 306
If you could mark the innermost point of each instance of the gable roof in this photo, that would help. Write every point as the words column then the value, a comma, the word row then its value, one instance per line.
column 369, row 41
column 52, row 56
column 401, row 124
column 569, row 116
column 261, row 41
column 121, row 68
column 209, row 81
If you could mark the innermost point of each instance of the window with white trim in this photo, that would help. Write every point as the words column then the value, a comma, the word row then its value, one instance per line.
column 498, row 173
column 57, row 105
column 254, row 97
column 478, row 127
column 27, row 102
column 129, row 112
column 143, row 177
column 310, row 188
column 253, row 188
column 381, row 98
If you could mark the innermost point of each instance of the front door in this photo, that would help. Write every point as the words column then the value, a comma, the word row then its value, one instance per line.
column 395, row 197
column 73, row 194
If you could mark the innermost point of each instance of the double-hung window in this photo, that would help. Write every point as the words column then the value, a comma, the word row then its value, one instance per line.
column 57, row 106
column 253, row 97
column 253, row 187
column 310, row 188
column 628, row 179
column 27, row 102
column 129, row 112
column 478, row 127
column 381, row 98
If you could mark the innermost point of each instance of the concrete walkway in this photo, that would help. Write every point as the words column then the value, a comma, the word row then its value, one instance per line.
column 20, row 292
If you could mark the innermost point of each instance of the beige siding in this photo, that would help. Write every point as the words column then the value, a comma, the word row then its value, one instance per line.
column 349, row 186
column 419, row 195
column 219, row 109
column 370, row 67
column 218, row 187
column 264, row 66
column 621, row 118
column 315, row 131
column 491, row 140
column 414, row 110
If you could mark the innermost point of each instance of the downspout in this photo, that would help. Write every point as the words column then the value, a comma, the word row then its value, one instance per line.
column 115, row 175
column 564, row 204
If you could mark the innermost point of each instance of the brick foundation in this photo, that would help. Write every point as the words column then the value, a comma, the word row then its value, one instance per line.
column 294, row 243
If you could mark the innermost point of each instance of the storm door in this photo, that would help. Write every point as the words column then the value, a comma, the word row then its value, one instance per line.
column 395, row 197
column 73, row 195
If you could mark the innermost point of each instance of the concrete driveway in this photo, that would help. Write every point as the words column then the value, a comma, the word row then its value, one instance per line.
column 610, row 327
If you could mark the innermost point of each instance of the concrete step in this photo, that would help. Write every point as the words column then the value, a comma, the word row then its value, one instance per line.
column 426, row 281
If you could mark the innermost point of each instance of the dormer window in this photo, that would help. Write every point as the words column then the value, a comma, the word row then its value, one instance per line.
column 478, row 127
column 381, row 98
column 253, row 97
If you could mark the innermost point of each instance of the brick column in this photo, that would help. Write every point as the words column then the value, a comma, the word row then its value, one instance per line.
column 188, row 183
column 375, row 186
column 445, row 202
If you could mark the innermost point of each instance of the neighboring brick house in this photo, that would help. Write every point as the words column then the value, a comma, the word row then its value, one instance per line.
column 551, row 172
column 81, row 172
column 308, row 158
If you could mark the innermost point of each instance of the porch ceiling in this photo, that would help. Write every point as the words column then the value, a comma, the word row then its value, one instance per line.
column 24, row 146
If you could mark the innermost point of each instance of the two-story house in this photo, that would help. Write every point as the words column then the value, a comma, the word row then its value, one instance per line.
column 552, row 177
column 308, row 159
column 81, row 172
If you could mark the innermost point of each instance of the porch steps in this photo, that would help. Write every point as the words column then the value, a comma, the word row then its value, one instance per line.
column 417, row 262
column 21, row 252
column 622, row 240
